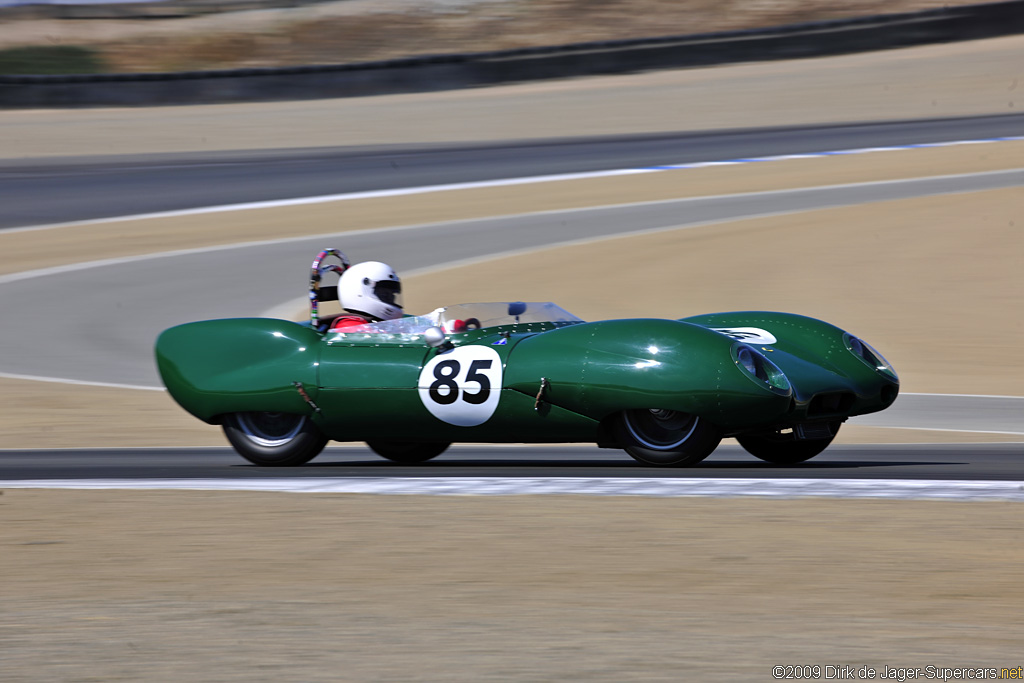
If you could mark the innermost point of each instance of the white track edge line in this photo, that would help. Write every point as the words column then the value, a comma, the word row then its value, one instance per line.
column 285, row 309
column 99, row 263
column 503, row 182
column 353, row 445
column 954, row 490
column 937, row 429
column 280, row 309
column 910, row 393
column 25, row 275
column 144, row 387
column 79, row 382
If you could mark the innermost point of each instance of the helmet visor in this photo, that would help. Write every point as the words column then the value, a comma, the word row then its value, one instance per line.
column 390, row 292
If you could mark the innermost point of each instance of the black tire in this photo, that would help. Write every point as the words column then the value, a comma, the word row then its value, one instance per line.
column 274, row 439
column 407, row 452
column 666, row 438
column 785, row 449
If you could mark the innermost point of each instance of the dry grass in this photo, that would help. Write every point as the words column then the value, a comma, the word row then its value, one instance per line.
column 355, row 32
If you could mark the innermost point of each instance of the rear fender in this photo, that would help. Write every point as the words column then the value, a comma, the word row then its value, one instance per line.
column 246, row 364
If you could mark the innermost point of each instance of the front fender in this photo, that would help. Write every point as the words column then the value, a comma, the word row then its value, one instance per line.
column 598, row 369
column 814, row 357
column 246, row 364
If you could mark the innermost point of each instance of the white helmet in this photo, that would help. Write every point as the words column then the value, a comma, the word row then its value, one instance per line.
column 373, row 289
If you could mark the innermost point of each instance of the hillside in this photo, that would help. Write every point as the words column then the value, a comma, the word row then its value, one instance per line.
column 366, row 30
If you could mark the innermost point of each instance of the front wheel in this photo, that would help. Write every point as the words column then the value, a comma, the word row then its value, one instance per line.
column 785, row 449
column 274, row 439
column 407, row 452
column 666, row 438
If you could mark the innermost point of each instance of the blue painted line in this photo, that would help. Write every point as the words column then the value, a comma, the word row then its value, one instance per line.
column 829, row 153
column 503, row 182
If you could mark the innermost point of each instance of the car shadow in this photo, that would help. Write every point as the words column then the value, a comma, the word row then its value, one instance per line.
column 577, row 465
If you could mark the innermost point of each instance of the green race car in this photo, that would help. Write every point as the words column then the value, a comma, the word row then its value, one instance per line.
column 666, row 391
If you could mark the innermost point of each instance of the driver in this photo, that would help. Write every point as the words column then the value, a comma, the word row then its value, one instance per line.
column 369, row 292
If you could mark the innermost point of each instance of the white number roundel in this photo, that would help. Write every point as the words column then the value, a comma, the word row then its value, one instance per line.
column 751, row 335
column 462, row 386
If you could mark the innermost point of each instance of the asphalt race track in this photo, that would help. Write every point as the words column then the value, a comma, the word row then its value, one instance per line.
column 181, row 181
column 111, row 346
column 952, row 462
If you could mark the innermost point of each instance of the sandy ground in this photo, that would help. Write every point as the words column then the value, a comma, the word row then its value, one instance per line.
column 869, row 269
column 964, row 79
column 110, row 585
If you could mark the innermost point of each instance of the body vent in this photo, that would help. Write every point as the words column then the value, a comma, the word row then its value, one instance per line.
column 835, row 403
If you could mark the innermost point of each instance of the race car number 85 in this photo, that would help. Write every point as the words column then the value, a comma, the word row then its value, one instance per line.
column 462, row 387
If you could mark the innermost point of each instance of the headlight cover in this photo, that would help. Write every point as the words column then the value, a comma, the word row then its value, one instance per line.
column 760, row 370
column 869, row 356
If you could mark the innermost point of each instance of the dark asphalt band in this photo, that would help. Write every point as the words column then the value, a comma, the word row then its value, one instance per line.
column 921, row 462
column 176, row 182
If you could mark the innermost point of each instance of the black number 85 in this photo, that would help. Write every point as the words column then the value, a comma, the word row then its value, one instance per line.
column 445, row 373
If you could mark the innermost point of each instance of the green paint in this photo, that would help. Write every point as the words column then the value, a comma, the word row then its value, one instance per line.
column 367, row 386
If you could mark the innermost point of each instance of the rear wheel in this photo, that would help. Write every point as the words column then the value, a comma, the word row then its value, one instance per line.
column 785, row 448
column 274, row 439
column 407, row 452
column 666, row 438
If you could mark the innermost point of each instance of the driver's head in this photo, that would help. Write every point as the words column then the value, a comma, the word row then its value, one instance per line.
column 371, row 289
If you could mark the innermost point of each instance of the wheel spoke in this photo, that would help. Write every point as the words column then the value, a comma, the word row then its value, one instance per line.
column 660, row 429
column 270, row 429
column 666, row 438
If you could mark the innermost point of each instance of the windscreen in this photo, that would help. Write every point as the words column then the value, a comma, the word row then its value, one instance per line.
column 457, row 319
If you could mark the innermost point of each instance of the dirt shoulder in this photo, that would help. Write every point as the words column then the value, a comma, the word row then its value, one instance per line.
column 870, row 269
column 964, row 79
column 114, row 585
